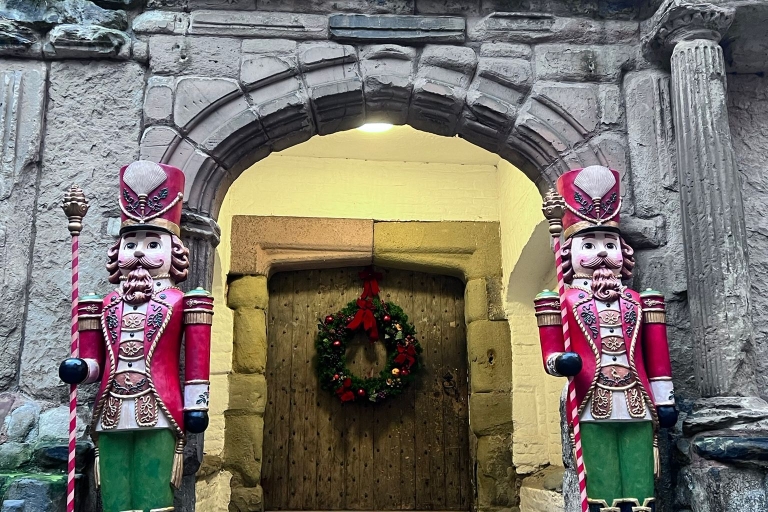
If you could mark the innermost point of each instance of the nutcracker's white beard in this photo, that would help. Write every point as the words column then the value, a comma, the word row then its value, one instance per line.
column 605, row 285
column 137, row 288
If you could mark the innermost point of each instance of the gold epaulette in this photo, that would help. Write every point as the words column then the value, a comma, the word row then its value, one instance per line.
column 654, row 308
column 198, row 307
column 547, row 304
column 89, row 309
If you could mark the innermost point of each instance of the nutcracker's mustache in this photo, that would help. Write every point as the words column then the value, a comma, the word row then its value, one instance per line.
column 144, row 261
column 601, row 262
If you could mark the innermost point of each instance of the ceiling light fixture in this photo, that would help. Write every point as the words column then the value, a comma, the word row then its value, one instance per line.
column 375, row 127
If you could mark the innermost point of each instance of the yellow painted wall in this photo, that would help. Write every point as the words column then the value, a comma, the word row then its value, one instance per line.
column 402, row 174
column 527, row 268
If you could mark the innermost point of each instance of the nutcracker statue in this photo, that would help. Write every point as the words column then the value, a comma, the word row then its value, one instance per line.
column 130, row 341
column 610, row 342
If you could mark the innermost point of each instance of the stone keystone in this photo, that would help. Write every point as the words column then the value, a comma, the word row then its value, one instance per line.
column 681, row 20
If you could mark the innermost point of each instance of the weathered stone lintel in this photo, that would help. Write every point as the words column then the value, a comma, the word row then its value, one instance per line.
column 394, row 28
column 268, row 244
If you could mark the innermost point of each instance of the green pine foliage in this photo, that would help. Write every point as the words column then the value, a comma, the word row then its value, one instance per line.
column 397, row 334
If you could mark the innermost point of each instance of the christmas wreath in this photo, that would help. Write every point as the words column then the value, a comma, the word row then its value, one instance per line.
column 380, row 320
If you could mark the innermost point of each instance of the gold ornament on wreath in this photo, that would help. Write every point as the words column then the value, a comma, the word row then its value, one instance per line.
column 382, row 321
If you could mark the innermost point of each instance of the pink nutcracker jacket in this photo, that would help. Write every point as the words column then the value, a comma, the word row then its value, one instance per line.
column 644, row 335
column 170, row 314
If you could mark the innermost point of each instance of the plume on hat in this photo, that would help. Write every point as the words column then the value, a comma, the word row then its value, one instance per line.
column 595, row 180
column 143, row 177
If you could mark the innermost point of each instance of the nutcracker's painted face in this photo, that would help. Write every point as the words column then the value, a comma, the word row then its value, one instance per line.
column 148, row 249
column 597, row 250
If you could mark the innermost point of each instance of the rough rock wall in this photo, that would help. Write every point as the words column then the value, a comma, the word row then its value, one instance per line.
column 22, row 103
column 92, row 128
column 748, row 112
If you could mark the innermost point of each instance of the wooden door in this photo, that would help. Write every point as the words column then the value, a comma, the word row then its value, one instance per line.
column 409, row 453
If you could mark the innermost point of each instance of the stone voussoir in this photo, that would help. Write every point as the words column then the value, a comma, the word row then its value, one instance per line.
column 440, row 87
column 334, row 85
column 388, row 72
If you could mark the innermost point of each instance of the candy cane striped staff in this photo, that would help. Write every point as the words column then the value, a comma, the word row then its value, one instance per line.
column 554, row 209
column 75, row 206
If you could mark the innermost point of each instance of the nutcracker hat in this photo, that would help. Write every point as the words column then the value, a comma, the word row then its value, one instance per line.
column 592, row 199
column 151, row 196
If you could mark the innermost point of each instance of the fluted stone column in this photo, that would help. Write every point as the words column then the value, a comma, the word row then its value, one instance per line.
column 724, row 431
column 712, row 208
column 200, row 235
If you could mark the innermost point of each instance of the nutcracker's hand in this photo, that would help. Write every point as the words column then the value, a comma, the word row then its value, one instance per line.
column 667, row 416
column 568, row 364
column 73, row 370
column 196, row 421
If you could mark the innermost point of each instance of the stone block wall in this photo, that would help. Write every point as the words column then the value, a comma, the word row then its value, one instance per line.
column 213, row 85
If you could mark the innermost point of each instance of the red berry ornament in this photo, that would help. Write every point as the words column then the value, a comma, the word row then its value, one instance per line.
column 387, row 318
column 328, row 319
column 335, row 376
column 336, row 344
column 361, row 392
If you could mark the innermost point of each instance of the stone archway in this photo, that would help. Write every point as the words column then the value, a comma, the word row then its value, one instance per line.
column 215, row 128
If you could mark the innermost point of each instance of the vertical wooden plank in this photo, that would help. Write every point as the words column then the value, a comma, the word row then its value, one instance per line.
column 308, row 408
column 296, row 386
column 353, row 415
column 453, row 352
column 268, row 470
column 437, row 448
column 282, row 331
column 337, row 284
column 325, row 415
column 423, row 399
column 462, row 410
column 407, row 411
column 367, row 487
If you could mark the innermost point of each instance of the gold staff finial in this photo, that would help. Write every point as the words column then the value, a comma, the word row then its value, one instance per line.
column 75, row 206
column 554, row 209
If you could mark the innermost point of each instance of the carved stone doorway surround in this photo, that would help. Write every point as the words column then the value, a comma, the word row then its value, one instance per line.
column 470, row 251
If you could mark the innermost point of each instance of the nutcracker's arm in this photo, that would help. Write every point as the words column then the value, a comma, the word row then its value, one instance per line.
column 198, row 316
column 547, row 305
column 656, row 349
column 89, row 309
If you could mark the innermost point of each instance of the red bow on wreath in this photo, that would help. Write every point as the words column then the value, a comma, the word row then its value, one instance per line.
column 365, row 317
column 345, row 391
column 406, row 356
column 370, row 283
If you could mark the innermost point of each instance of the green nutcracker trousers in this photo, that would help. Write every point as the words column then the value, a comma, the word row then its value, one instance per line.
column 619, row 460
column 135, row 468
